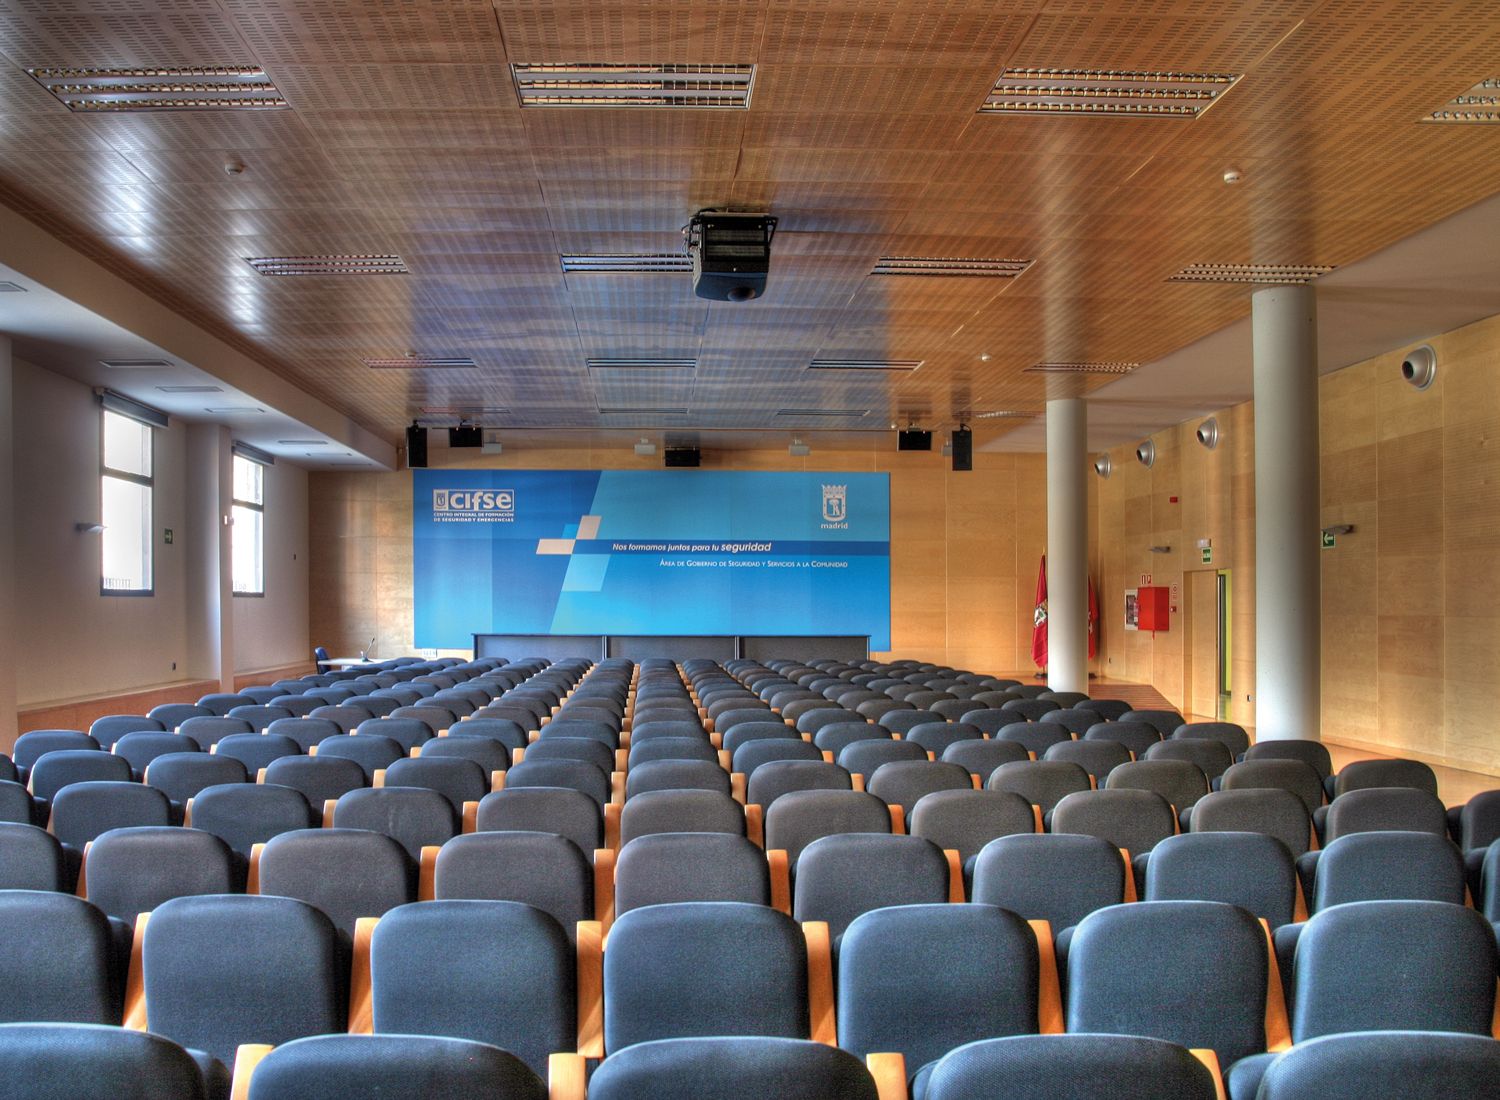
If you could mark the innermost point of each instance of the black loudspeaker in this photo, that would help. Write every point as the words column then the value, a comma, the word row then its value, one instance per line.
column 913, row 440
column 416, row 447
column 963, row 449
column 466, row 435
column 731, row 255
column 675, row 457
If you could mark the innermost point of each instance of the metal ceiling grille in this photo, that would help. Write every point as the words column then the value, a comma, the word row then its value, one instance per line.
column 865, row 364
column 1080, row 368
column 714, row 87
column 1105, row 92
column 464, row 410
column 12, row 288
column 948, row 266
column 190, row 389
column 329, row 265
column 643, row 363
column 135, row 364
column 163, row 88
column 808, row 414
column 1005, row 414
column 625, row 261
column 640, row 410
column 1249, row 273
column 1480, row 103
column 420, row 362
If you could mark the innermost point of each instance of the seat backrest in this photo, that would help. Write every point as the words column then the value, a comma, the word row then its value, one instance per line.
column 981, row 758
column 1232, row 736
column 221, row 703
column 1213, row 758
column 69, row 969
column 306, row 732
column 246, row 814
column 30, row 858
column 704, row 968
column 1178, row 781
column 320, row 778
column 582, row 727
column 811, row 721
column 676, row 775
column 1388, row 866
column 172, row 715
column 742, row 733
column 140, row 748
column 344, row 873
column 906, row 782
column 1287, row 775
column 371, row 751
column 84, row 1062
column 82, row 812
column 697, row 747
column 16, row 804
column 224, row 970
column 393, row 1065
column 664, row 868
column 56, row 769
column 259, row 715
column 1074, row 721
column 109, row 729
column 131, row 871
column 1371, row 809
column 777, row 778
column 863, row 757
column 988, row 720
column 799, row 818
column 538, row 869
column 406, row 732
column 1036, row 737
column 414, row 817
column 31, row 747
column 559, row 810
column 456, row 779
column 1098, row 758
column 181, row 775
column 1363, row 774
column 209, row 731
column 1058, row 878
column 1166, row 721
column 1138, row 737
column 1394, row 1065
column 1142, row 970
column 1030, row 709
column 497, row 972
column 658, row 728
column 833, row 736
column 680, row 811
column 1093, row 1066
column 750, row 755
column 502, row 730
column 1312, row 753
column 257, row 750
column 841, row 876
column 1043, row 783
column 1251, row 870
column 1276, row 813
column 1394, row 965
column 491, row 756
column 967, row 972
column 966, row 821
column 746, row 1067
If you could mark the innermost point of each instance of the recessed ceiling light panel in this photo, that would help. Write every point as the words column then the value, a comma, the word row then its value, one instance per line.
column 420, row 362
column 162, row 88
column 641, row 363
column 1285, row 274
column 135, row 364
column 349, row 264
column 1005, row 414
column 713, row 87
column 949, row 266
column 1080, row 368
column 12, row 288
column 1480, row 103
column 190, row 389
column 627, row 262
column 866, row 364
column 804, row 414
column 1106, row 93
column 634, row 410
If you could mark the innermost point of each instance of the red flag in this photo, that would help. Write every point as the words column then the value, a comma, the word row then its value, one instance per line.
column 1039, row 619
column 1093, row 620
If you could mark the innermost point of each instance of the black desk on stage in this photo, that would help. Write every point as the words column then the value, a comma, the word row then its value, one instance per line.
column 718, row 647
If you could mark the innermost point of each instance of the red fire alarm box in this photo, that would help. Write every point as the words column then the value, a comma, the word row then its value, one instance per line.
column 1155, row 608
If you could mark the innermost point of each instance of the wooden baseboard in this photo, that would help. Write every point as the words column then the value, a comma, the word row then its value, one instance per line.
column 79, row 714
column 271, row 675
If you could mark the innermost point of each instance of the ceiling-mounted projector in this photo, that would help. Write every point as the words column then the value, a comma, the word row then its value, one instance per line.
column 731, row 254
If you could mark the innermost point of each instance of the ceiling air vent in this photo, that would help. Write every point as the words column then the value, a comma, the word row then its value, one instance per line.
column 12, row 288
column 641, row 363
column 640, row 410
column 163, row 88
column 329, row 265
column 623, row 261
column 1480, row 103
column 805, row 414
column 716, row 87
column 303, row 442
column 1249, row 273
column 465, row 411
column 190, row 389
column 1005, row 414
column 420, row 362
column 1080, row 368
column 136, row 364
column 1105, row 92
column 948, row 266
column 865, row 364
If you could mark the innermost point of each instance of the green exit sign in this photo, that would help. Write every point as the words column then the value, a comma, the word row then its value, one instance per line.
column 1328, row 540
column 1208, row 555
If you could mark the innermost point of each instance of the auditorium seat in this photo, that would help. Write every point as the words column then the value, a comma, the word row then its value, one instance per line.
column 1076, row 722
column 653, row 812
column 31, row 859
column 336, row 1067
column 664, row 747
column 1368, row 809
column 1138, row 738
column 1384, row 1065
column 676, row 775
column 140, row 748
column 777, row 778
column 988, row 721
column 459, row 781
column 1043, row 783
column 221, row 703
column 64, row 960
column 1088, row 1067
column 905, row 782
column 109, row 729
column 131, row 871
column 257, row 750
column 50, row 1061
column 83, row 811
column 209, row 731
column 936, row 737
column 562, row 811
column 1286, row 775
column 582, row 727
column 798, row 818
column 1312, row 753
column 321, row 779
column 406, row 732
column 1384, row 866
column 982, row 757
column 16, row 804
column 259, row 716
column 343, row 873
column 575, row 775
column 543, row 870
column 1251, row 870
column 57, row 769
column 414, row 817
column 1181, row 783
column 371, row 751
column 1058, row 878
column 243, row 815
column 1233, row 737
column 1276, row 813
column 737, row 1068
column 838, row 877
column 1035, row 737
column 1098, row 758
column 1109, row 710
column 670, row 867
column 31, row 747
column 1031, row 710
column 300, row 705
column 501, row 730
column 1363, row 774
column 1213, row 758
column 966, row 820
column 172, row 715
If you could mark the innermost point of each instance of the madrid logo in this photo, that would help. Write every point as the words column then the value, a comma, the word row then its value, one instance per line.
column 835, row 507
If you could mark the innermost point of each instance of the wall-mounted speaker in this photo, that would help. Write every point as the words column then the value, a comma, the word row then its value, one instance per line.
column 416, row 447
column 682, row 457
column 912, row 439
column 963, row 449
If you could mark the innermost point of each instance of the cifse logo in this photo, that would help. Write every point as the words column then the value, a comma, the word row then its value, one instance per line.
column 476, row 504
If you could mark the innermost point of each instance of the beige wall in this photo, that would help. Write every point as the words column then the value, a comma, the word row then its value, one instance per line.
column 964, row 546
column 1411, row 603
column 271, row 631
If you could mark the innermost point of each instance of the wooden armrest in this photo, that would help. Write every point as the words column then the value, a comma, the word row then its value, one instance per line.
column 889, row 1071
column 83, row 872
column 379, row 780
column 781, row 880
column 260, row 775
column 187, row 815
column 755, row 825
column 135, row 978
column 898, row 821
column 252, row 878
column 976, row 781
column 566, row 1076
column 361, row 993
column 497, row 780
column 956, row 891
column 590, row 989
column 470, row 822
column 724, row 761
column 617, row 788
column 716, row 739
column 427, row 872
column 312, row 750
column 824, row 1024
column 1130, row 894
column 1049, row 990
column 612, row 825
column 622, row 759
column 1211, row 1060
column 1036, row 812
column 604, row 886
column 328, row 806
column 1278, row 1029
column 416, row 751
column 516, row 756
column 246, row 1058
column 859, row 780
column 737, row 786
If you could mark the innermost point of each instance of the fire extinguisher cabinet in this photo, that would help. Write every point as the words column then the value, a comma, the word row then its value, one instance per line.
column 1154, row 605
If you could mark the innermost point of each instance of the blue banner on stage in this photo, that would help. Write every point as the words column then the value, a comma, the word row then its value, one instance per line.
column 649, row 552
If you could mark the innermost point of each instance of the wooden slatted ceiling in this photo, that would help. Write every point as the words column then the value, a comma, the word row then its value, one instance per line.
column 405, row 136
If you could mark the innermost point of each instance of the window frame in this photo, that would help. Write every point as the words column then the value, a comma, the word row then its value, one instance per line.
column 149, row 482
column 234, row 530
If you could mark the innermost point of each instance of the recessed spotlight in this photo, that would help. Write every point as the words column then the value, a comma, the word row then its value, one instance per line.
column 986, row 357
column 1233, row 176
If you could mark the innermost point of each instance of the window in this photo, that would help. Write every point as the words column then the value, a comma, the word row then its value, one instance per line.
column 248, row 535
column 127, row 472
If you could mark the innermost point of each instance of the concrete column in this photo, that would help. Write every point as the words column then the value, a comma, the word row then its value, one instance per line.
column 210, row 490
column 10, row 630
column 1288, row 631
column 1067, row 546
